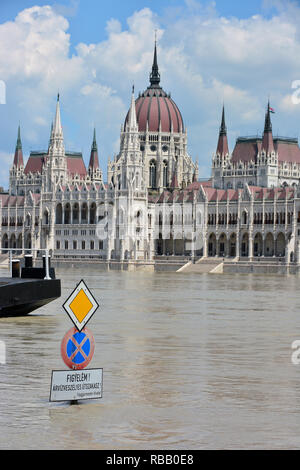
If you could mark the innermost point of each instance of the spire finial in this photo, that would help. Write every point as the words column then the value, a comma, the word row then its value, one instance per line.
column 155, row 75
column 222, row 148
column 268, row 124
column 18, row 158
column 94, row 144
column 94, row 161
column 132, row 122
column 19, row 143
column 223, row 130
column 267, row 142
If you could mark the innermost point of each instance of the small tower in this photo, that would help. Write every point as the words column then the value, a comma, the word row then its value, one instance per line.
column 94, row 171
column 267, row 143
column 155, row 75
column 267, row 159
column 17, row 169
column 221, row 157
column 56, row 158
column 222, row 148
column 130, row 154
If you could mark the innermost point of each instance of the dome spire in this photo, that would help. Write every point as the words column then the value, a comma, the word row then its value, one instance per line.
column 155, row 75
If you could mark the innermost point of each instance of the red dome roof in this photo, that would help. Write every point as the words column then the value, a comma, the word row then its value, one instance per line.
column 154, row 106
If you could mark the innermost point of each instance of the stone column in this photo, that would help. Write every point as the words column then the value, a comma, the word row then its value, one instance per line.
column 250, row 248
column 237, row 245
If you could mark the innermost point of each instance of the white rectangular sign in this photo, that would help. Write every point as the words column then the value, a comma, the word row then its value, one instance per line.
column 76, row 384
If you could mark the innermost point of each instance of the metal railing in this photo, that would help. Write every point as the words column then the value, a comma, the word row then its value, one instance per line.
column 29, row 251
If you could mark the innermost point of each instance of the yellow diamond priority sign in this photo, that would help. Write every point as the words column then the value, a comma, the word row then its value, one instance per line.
column 81, row 305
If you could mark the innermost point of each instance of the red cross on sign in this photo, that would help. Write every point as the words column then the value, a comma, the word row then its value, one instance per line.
column 77, row 348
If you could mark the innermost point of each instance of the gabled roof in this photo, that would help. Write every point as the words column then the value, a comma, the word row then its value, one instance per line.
column 269, row 194
column 11, row 201
column 35, row 162
column 75, row 164
column 197, row 184
column 247, row 148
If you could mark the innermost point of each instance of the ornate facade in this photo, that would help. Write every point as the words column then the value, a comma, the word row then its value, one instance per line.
column 153, row 204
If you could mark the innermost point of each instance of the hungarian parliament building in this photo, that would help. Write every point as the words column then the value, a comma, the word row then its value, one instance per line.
column 153, row 203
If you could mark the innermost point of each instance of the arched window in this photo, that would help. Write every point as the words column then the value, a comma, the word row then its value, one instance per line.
column 93, row 213
column 152, row 174
column 75, row 213
column 46, row 217
column 67, row 213
column 58, row 215
column 165, row 174
column 245, row 217
column 84, row 212
column 28, row 220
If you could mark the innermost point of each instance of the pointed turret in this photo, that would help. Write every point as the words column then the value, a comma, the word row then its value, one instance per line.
column 155, row 75
column 57, row 129
column 56, row 158
column 18, row 158
column 56, row 144
column 222, row 148
column 267, row 143
column 132, row 121
column 94, row 161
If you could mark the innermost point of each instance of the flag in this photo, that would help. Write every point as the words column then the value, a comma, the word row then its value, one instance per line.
column 271, row 110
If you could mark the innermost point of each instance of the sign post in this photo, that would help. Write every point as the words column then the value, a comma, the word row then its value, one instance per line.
column 77, row 350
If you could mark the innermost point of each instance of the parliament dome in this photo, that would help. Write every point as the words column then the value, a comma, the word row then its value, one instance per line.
column 155, row 109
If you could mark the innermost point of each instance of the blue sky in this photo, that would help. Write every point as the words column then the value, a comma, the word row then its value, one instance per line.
column 239, row 53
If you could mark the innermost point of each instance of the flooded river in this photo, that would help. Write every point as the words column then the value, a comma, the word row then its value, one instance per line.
column 189, row 362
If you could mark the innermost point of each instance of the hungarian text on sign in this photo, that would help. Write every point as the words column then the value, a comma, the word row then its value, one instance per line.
column 75, row 385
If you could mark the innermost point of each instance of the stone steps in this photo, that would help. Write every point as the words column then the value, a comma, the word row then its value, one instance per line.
column 203, row 265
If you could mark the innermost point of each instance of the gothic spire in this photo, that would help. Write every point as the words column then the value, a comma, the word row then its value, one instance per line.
column 94, row 144
column 222, row 148
column 56, row 144
column 155, row 75
column 268, row 124
column 223, row 130
column 57, row 129
column 94, row 161
column 18, row 158
column 267, row 142
column 132, row 121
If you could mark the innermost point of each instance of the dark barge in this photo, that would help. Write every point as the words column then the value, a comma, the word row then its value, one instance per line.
column 28, row 289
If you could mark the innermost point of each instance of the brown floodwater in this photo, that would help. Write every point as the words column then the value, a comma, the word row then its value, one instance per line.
column 189, row 362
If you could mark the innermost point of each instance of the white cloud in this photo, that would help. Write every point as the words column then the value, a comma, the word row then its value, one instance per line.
column 204, row 59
